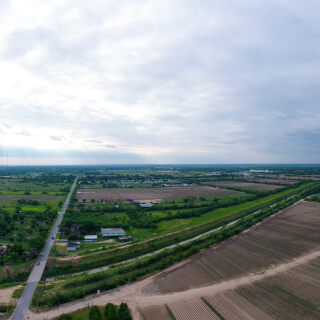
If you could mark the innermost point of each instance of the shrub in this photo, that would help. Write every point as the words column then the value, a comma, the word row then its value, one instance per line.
column 65, row 317
column 95, row 313
column 124, row 313
column 111, row 312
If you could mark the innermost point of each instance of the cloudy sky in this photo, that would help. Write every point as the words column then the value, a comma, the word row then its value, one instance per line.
column 170, row 81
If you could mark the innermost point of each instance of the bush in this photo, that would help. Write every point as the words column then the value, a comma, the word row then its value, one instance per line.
column 95, row 313
column 124, row 313
column 65, row 317
column 111, row 312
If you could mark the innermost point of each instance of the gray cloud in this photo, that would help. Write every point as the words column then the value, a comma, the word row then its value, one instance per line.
column 23, row 133
column 174, row 81
column 56, row 138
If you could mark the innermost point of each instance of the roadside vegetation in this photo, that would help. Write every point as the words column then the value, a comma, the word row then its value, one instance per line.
column 109, row 312
column 29, row 203
column 81, row 286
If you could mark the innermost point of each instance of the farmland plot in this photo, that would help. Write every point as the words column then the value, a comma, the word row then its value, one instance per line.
column 285, row 236
column 156, row 313
column 233, row 306
column 192, row 309
column 151, row 193
column 278, row 303
column 302, row 281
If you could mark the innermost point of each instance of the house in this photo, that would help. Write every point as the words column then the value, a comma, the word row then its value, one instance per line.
column 146, row 205
column 112, row 232
column 2, row 250
column 73, row 245
column 91, row 238
column 125, row 239
column 75, row 229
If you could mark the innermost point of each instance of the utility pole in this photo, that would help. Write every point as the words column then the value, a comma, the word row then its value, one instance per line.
column 7, row 169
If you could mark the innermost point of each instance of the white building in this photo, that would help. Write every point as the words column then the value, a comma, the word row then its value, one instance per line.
column 91, row 238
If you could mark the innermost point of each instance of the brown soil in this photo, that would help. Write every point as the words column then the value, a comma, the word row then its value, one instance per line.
column 151, row 193
column 6, row 295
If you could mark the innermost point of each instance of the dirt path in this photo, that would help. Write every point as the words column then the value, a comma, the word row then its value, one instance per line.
column 6, row 294
column 133, row 295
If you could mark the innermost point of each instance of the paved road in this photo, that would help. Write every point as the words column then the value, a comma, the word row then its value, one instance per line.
column 37, row 271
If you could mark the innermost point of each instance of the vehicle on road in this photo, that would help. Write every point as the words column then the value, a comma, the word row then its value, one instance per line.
column 42, row 254
column 38, row 264
column 52, row 238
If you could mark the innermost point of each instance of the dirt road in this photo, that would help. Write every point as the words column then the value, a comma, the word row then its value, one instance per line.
column 135, row 298
column 6, row 295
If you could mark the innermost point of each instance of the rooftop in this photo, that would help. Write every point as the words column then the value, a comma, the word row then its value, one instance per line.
column 112, row 232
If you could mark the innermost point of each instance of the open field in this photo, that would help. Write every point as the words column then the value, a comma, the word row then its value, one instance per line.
column 150, row 193
column 291, row 295
column 245, row 185
column 156, row 313
column 10, row 199
column 192, row 309
column 283, row 237
column 233, row 306
column 274, row 181
column 20, row 186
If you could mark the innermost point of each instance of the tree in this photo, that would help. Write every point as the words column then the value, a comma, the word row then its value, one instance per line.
column 73, row 237
column 95, row 313
column 37, row 242
column 111, row 312
column 124, row 313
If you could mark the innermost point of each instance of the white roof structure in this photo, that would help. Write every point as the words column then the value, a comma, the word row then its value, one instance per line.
column 91, row 237
column 113, row 232
column 146, row 205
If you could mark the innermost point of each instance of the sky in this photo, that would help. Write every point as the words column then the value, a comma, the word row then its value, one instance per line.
column 136, row 82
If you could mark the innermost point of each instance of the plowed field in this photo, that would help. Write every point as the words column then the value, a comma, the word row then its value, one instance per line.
column 151, row 193
column 293, row 233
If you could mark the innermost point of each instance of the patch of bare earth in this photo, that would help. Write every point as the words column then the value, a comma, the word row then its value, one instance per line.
column 6, row 295
column 148, row 194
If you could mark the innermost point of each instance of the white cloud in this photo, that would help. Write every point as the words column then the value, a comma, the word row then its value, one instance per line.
column 167, row 81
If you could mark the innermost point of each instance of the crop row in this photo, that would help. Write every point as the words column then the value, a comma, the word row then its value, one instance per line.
column 276, row 240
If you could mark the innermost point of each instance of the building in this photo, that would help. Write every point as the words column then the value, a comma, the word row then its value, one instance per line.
column 73, row 245
column 3, row 251
column 91, row 238
column 112, row 233
column 125, row 239
column 146, row 205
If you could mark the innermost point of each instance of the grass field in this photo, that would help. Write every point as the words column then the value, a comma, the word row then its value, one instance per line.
column 181, row 224
column 20, row 186
column 245, row 185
